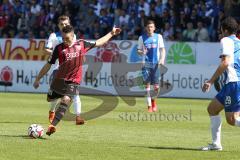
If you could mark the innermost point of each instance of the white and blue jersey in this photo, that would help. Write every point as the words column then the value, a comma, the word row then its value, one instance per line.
column 229, row 95
column 231, row 47
column 152, row 44
column 53, row 40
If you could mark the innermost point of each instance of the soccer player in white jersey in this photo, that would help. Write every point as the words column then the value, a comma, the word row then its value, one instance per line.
column 53, row 40
column 229, row 96
column 151, row 47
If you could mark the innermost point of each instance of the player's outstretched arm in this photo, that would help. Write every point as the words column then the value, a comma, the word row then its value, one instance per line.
column 115, row 31
column 221, row 68
column 43, row 71
column 48, row 51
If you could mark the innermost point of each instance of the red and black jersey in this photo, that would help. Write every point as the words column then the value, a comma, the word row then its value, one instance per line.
column 70, row 59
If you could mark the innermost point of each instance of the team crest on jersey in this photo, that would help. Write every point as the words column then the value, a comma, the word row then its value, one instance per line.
column 154, row 40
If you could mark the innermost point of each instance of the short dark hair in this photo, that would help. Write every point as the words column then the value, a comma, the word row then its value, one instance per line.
column 63, row 18
column 230, row 24
column 150, row 22
column 67, row 29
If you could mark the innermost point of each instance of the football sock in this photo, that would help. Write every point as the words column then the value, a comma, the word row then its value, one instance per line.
column 153, row 102
column 53, row 105
column 77, row 105
column 237, row 121
column 149, row 103
column 216, row 124
column 59, row 113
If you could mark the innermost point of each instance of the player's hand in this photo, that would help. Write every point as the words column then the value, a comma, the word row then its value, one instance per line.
column 36, row 84
column 144, row 50
column 206, row 86
column 161, row 62
column 116, row 31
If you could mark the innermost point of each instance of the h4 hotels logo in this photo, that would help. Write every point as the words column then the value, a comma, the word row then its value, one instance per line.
column 6, row 76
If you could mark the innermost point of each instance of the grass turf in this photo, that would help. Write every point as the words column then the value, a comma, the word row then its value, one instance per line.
column 127, row 132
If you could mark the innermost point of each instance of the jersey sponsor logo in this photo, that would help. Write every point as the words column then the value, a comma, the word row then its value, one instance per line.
column 181, row 53
column 69, row 56
column 151, row 45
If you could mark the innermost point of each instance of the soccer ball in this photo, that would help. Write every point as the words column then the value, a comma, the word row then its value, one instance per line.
column 35, row 131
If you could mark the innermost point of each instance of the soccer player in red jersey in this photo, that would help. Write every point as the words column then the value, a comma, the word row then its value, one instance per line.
column 70, row 54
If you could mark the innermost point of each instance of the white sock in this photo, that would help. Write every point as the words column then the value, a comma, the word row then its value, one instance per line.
column 77, row 105
column 149, row 101
column 237, row 122
column 53, row 105
column 216, row 124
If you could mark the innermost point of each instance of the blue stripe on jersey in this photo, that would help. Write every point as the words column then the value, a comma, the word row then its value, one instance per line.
column 151, row 43
column 236, row 55
column 59, row 37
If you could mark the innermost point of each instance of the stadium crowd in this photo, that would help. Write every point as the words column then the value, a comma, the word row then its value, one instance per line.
column 176, row 20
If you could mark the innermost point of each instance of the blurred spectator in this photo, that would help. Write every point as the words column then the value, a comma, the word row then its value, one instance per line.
column 143, row 19
column 160, row 7
column 38, row 18
column 134, row 26
column 157, row 20
column 133, row 6
column 194, row 18
column 105, row 22
column 22, row 23
column 87, row 21
column 189, row 33
column 21, row 34
column 35, row 7
column 30, row 35
column 167, row 32
column 51, row 14
column 94, row 30
column 124, row 18
column 143, row 6
column 201, row 33
column 3, row 20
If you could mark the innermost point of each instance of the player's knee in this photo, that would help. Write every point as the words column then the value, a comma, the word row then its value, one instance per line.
column 230, row 121
column 66, row 100
column 212, row 111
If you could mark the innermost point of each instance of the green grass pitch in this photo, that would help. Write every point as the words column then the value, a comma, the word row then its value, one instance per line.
column 126, row 133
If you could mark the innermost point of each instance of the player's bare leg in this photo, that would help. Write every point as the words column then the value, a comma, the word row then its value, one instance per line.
column 60, row 112
column 214, row 108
